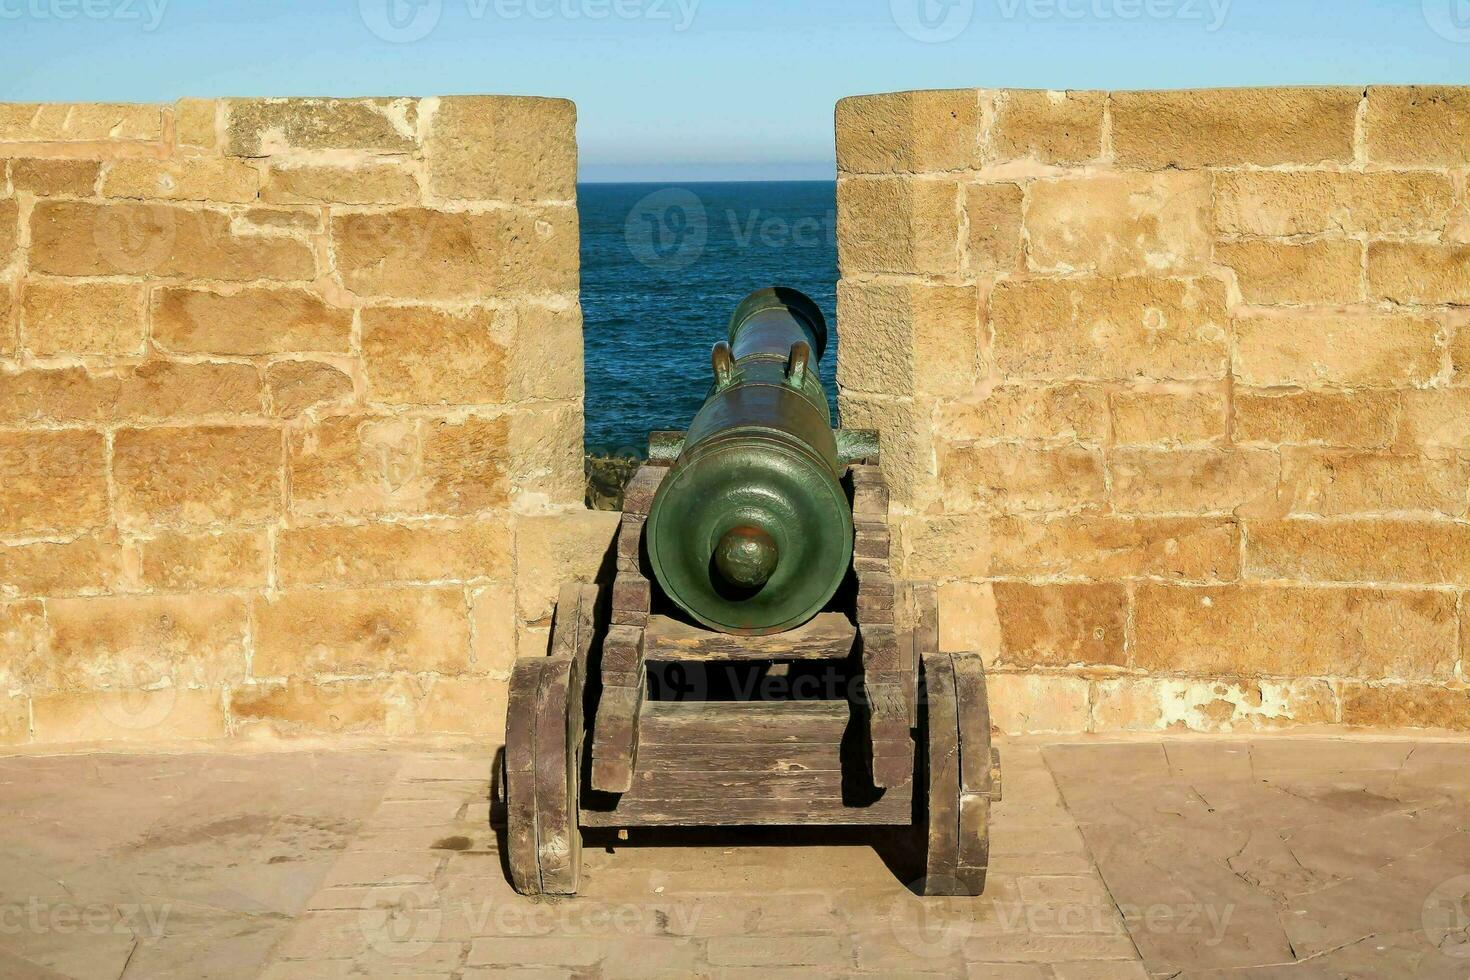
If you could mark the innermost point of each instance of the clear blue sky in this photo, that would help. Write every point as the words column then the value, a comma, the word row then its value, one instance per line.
column 714, row 89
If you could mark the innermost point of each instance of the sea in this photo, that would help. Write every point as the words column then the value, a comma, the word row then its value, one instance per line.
column 663, row 267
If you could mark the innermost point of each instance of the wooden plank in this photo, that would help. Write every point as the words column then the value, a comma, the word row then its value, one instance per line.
column 869, row 499
column 622, row 656
column 875, row 598
column 572, row 631
column 630, row 543
column 638, row 497
column 881, row 650
column 894, row 808
column 558, row 840
column 739, row 757
column 650, row 784
column 943, row 803
column 974, row 858
column 974, row 724
column 891, row 755
column 632, row 597
column 827, row 636
column 755, row 722
column 615, row 738
column 520, row 765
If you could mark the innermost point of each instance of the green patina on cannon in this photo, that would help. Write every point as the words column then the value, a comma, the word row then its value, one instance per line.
column 751, row 532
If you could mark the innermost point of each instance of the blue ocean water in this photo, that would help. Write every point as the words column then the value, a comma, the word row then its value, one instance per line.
column 663, row 267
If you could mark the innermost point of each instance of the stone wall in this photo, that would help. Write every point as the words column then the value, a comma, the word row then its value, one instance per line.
column 290, row 413
column 1175, row 387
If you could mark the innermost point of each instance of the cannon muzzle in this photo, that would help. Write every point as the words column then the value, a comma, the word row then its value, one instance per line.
column 751, row 531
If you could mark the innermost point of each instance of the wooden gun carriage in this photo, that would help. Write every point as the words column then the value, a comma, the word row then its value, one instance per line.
column 705, row 708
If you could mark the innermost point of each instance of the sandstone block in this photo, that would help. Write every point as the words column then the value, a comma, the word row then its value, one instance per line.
column 384, row 183
column 375, row 554
column 1195, row 481
column 556, row 549
column 1436, row 418
column 89, row 563
column 1104, row 547
column 1277, row 203
column 173, row 561
column 307, row 220
column 23, row 642
column 1112, row 329
column 197, row 475
column 943, row 546
column 1306, row 347
column 1120, row 223
column 493, row 620
column 1460, row 351
column 361, row 631
column 196, row 123
column 1418, row 125
column 157, row 715
column 7, row 322
column 15, row 720
column 151, row 390
column 46, row 177
column 967, row 619
column 1169, row 415
column 383, row 465
column 54, row 482
column 994, row 214
column 59, row 317
column 1406, row 706
column 78, row 238
column 1138, row 704
column 1233, row 127
column 464, row 706
column 135, row 642
column 1280, row 272
column 908, row 337
column 1365, row 419
column 1409, row 552
column 248, row 321
column 1065, row 412
column 1012, row 478
column 1049, row 127
column 369, row 706
column 1293, row 631
column 547, row 464
column 908, row 132
column 9, row 229
column 266, row 127
column 422, row 356
column 906, row 430
column 1333, row 484
column 899, row 225
column 1061, row 625
column 501, row 148
column 1430, row 275
column 419, row 254
column 298, row 386
column 195, row 179
column 86, row 122
column 1038, row 703
column 546, row 354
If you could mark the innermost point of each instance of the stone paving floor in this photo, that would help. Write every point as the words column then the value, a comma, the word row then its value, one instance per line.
column 1191, row 858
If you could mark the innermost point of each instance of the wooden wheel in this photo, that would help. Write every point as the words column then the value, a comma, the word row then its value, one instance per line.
column 543, row 754
column 952, row 799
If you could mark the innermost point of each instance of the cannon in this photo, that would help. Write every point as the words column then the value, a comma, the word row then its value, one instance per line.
column 752, row 660
column 751, row 530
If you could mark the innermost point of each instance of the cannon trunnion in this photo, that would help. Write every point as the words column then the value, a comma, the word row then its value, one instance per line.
column 753, row 660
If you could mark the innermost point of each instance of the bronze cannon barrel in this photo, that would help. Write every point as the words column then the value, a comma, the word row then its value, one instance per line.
column 751, row 531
